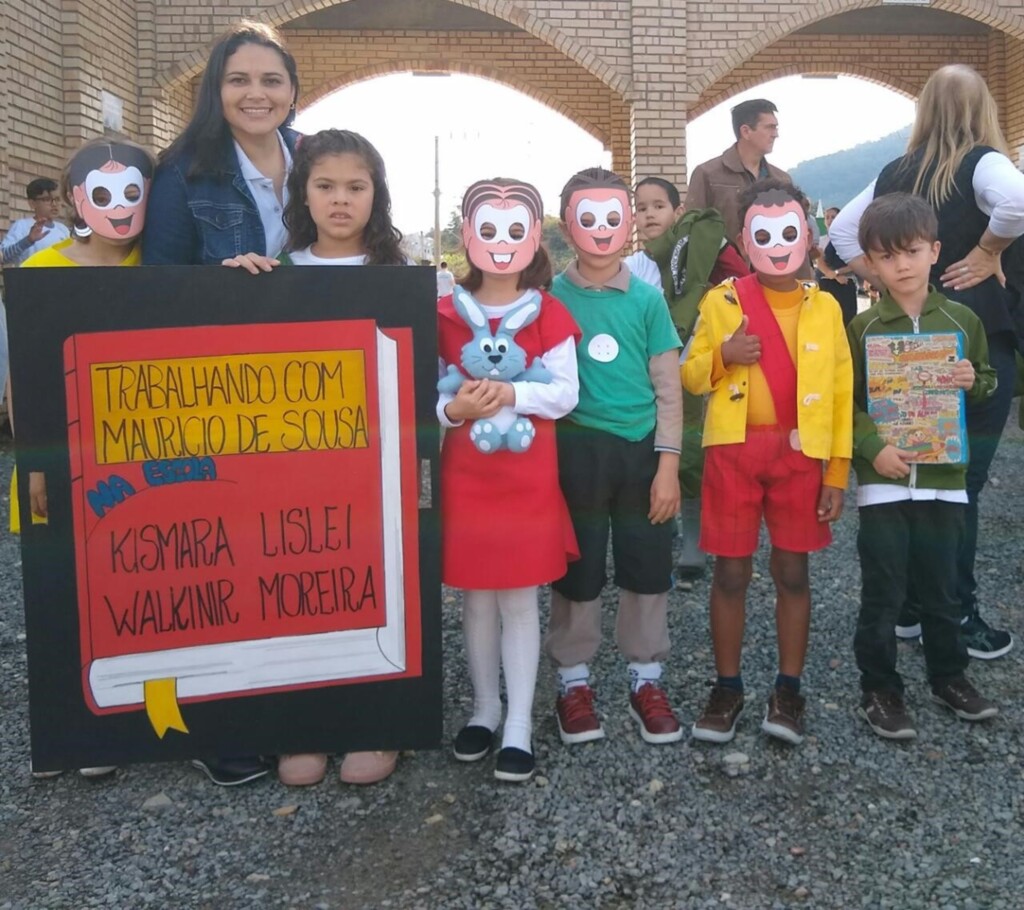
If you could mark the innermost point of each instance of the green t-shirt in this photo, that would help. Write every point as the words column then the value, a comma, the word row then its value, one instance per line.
column 621, row 332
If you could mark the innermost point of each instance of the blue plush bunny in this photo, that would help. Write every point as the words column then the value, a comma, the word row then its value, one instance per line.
column 496, row 356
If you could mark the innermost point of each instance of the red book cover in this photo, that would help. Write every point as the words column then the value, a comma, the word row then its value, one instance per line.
column 245, row 509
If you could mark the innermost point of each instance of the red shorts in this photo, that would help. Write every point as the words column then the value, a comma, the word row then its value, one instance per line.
column 763, row 475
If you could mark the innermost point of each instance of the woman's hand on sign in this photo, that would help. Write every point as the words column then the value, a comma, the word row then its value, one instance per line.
column 253, row 263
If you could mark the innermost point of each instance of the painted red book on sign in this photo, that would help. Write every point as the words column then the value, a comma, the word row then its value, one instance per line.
column 244, row 509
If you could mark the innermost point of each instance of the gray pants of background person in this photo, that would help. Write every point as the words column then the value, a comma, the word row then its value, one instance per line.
column 641, row 628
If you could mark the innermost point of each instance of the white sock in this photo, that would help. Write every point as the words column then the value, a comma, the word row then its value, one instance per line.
column 483, row 655
column 641, row 674
column 520, row 654
column 576, row 675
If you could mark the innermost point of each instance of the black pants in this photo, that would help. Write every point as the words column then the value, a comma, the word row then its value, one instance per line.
column 606, row 481
column 901, row 544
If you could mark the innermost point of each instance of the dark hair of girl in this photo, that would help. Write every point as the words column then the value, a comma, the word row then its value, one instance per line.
column 381, row 238
column 91, row 157
column 208, row 134
column 667, row 185
column 538, row 273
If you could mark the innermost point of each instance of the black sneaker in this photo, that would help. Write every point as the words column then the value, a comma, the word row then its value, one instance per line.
column 984, row 642
column 472, row 743
column 230, row 772
column 887, row 715
column 963, row 699
column 515, row 765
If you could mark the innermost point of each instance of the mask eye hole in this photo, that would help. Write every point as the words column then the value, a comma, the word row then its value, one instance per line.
column 133, row 192
column 762, row 237
column 488, row 231
column 101, row 196
column 614, row 219
column 517, row 231
column 587, row 220
column 789, row 233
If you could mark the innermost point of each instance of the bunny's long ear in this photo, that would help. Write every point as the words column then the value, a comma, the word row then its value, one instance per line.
column 469, row 309
column 522, row 315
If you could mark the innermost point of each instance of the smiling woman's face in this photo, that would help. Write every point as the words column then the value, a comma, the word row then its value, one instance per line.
column 256, row 91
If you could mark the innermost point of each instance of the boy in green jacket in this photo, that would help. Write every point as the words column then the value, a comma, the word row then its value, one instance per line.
column 911, row 512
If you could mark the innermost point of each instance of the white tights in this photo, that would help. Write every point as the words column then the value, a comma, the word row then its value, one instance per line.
column 502, row 629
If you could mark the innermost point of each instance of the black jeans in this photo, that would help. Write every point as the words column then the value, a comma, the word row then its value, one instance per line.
column 985, row 424
column 901, row 544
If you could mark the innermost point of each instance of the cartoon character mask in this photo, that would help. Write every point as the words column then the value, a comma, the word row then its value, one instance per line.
column 501, row 225
column 775, row 236
column 599, row 220
column 108, row 184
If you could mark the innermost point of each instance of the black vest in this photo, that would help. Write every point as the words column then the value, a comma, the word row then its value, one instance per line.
column 961, row 224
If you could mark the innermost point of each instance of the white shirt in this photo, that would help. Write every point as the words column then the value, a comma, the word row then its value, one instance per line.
column 271, row 209
column 998, row 191
column 552, row 399
column 645, row 268
column 306, row 257
column 14, row 249
column 445, row 283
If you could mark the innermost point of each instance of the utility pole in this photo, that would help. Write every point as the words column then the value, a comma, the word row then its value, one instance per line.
column 437, row 203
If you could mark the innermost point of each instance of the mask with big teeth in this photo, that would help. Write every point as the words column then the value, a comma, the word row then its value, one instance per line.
column 110, row 195
column 501, row 226
column 775, row 238
column 599, row 220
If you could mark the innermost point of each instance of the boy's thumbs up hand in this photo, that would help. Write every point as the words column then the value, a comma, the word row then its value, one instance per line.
column 740, row 347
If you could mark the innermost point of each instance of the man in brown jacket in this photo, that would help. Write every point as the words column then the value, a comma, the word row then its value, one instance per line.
column 717, row 183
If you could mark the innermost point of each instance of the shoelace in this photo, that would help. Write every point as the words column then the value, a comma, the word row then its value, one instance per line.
column 578, row 702
column 653, row 701
column 887, row 703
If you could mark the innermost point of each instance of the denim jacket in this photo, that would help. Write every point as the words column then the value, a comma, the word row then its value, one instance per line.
column 203, row 220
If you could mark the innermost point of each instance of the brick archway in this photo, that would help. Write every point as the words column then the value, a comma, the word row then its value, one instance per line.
column 468, row 69
column 712, row 98
column 986, row 11
column 287, row 11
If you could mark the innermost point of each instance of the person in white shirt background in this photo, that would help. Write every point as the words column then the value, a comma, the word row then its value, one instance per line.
column 445, row 281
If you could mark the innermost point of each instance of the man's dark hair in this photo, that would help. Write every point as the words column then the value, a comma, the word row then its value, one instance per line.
column 444, row 265
column 832, row 208
column 747, row 113
column 591, row 178
column 40, row 186
column 895, row 221
column 770, row 191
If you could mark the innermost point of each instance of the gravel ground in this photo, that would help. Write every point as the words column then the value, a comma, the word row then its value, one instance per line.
column 844, row 821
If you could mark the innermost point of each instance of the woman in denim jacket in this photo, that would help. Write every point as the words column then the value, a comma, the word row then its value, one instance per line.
column 220, row 188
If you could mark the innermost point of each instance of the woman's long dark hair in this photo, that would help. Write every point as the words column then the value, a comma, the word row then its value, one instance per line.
column 380, row 237
column 208, row 133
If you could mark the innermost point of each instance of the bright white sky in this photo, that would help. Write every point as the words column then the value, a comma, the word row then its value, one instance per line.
column 488, row 130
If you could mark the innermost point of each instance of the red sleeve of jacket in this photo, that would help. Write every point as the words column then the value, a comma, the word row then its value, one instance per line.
column 730, row 264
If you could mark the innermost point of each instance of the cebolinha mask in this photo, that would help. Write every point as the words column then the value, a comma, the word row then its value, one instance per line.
column 501, row 225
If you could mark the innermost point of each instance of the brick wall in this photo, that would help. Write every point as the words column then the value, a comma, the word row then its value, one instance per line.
column 631, row 72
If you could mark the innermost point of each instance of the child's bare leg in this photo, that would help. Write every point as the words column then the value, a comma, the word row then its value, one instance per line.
column 728, row 611
column 792, row 608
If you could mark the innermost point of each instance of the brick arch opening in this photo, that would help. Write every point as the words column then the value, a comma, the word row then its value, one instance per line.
column 353, row 77
column 287, row 11
column 986, row 11
column 726, row 88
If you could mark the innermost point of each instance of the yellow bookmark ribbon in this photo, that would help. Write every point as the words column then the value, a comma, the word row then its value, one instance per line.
column 162, row 706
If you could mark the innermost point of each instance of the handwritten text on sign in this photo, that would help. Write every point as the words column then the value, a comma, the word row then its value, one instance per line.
column 229, row 405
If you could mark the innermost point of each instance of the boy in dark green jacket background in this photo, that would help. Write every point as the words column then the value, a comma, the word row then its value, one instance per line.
column 911, row 514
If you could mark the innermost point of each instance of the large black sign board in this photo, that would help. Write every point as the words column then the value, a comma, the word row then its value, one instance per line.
column 199, row 427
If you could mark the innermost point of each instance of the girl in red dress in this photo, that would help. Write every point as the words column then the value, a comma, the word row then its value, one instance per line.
column 508, row 367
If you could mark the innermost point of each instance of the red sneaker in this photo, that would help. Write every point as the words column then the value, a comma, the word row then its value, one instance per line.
column 577, row 721
column 649, row 707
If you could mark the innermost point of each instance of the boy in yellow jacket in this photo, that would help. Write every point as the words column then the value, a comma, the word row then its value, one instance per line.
column 778, row 435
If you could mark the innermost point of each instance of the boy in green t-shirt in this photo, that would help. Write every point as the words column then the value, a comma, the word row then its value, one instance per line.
column 618, row 455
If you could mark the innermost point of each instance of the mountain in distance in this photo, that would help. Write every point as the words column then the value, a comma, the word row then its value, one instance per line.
column 835, row 179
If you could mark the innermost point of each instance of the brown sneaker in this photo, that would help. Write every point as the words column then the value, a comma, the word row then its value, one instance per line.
column 577, row 719
column 887, row 715
column 650, row 708
column 784, row 716
column 717, row 722
column 963, row 699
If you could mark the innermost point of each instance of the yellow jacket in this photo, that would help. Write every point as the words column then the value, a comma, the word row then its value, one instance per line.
column 824, row 373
